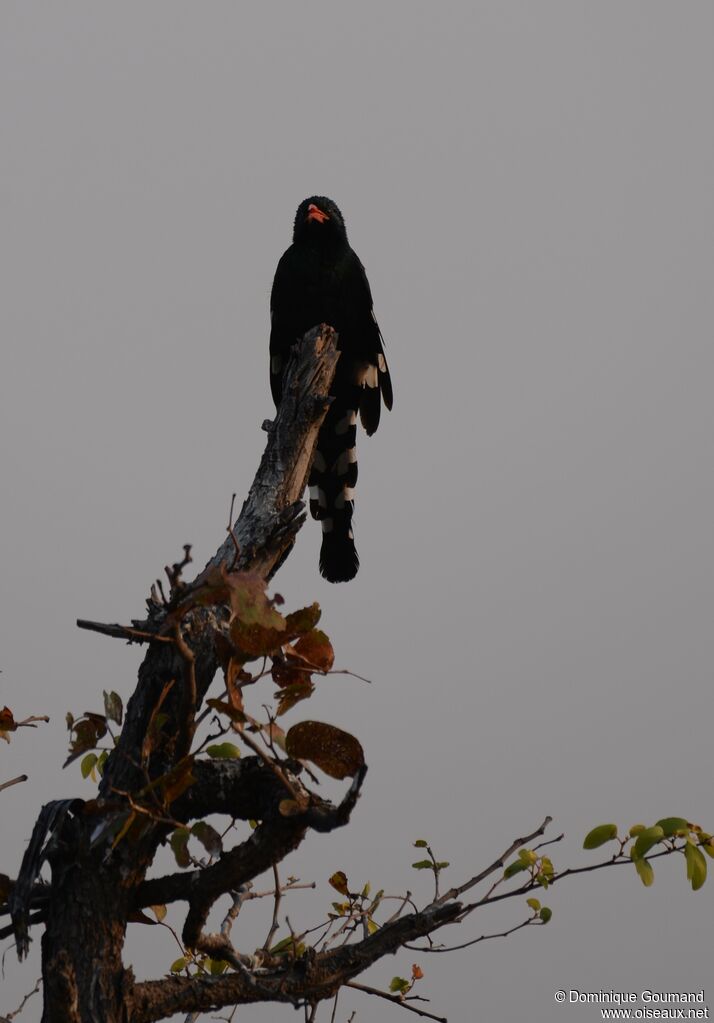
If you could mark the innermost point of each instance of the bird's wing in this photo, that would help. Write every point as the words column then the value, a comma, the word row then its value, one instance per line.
column 375, row 378
column 280, row 341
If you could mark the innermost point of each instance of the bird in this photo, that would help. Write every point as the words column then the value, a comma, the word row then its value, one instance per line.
column 320, row 279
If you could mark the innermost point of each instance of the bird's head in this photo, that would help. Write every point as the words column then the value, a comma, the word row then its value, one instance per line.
column 318, row 219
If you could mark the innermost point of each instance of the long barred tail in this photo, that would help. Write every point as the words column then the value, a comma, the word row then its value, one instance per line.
column 332, row 482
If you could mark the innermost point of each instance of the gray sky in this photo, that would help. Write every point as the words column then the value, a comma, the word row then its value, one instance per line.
column 530, row 188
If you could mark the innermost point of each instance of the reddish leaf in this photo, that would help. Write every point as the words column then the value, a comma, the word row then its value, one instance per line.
column 289, row 670
column 335, row 752
column 317, row 650
column 291, row 695
column 7, row 721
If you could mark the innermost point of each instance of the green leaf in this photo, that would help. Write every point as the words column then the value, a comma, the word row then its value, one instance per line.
column 398, row 985
column 527, row 856
column 514, row 868
column 599, row 835
column 339, row 882
column 670, row 825
column 179, row 843
column 420, row 844
column 366, row 890
column 113, row 707
column 534, row 904
column 545, row 914
column 645, row 840
column 696, row 866
column 223, row 751
column 208, row 837
column 101, row 761
column 178, row 964
column 372, row 926
column 442, row 865
column 423, row 865
column 636, row 830
column 87, row 764
column 216, row 966
column 644, row 869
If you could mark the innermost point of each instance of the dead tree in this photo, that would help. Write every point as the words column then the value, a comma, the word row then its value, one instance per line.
column 155, row 782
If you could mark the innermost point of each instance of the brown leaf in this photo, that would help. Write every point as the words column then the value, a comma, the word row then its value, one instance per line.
column 289, row 670
column 299, row 622
column 88, row 730
column 339, row 882
column 233, row 713
column 316, row 648
column 291, row 695
column 417, row 972
column 335, row 752
column 174, row 783
column 234, row 674
column 138, row 916
column 7, row 721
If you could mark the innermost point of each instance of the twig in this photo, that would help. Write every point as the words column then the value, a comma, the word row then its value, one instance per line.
column 474, row 941
column 123, row 632
column 334, row 1006
column 276, row 906
column 453, row 893
column 239, row 897
column 395, row 999
column 13, row 781
column 12, row 1015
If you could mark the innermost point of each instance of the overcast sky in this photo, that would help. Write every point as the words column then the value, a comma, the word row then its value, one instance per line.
column 530, row 188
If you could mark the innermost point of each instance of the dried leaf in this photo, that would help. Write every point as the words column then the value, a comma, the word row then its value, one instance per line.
column 302, row 621
column 339, row 882
column 291, row 695
column 335, row 752
column 317, row 650
column 113, row 707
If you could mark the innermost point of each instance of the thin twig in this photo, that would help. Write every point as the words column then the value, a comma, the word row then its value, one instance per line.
column 474, row 941
column 276, row 906
column 395, row 999
column 28, row 996
column 13, row 781
column 453, row 893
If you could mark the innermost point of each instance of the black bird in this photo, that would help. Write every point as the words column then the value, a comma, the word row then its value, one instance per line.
column 319, row 279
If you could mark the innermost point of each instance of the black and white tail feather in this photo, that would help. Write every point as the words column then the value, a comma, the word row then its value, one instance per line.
column 320, row 280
